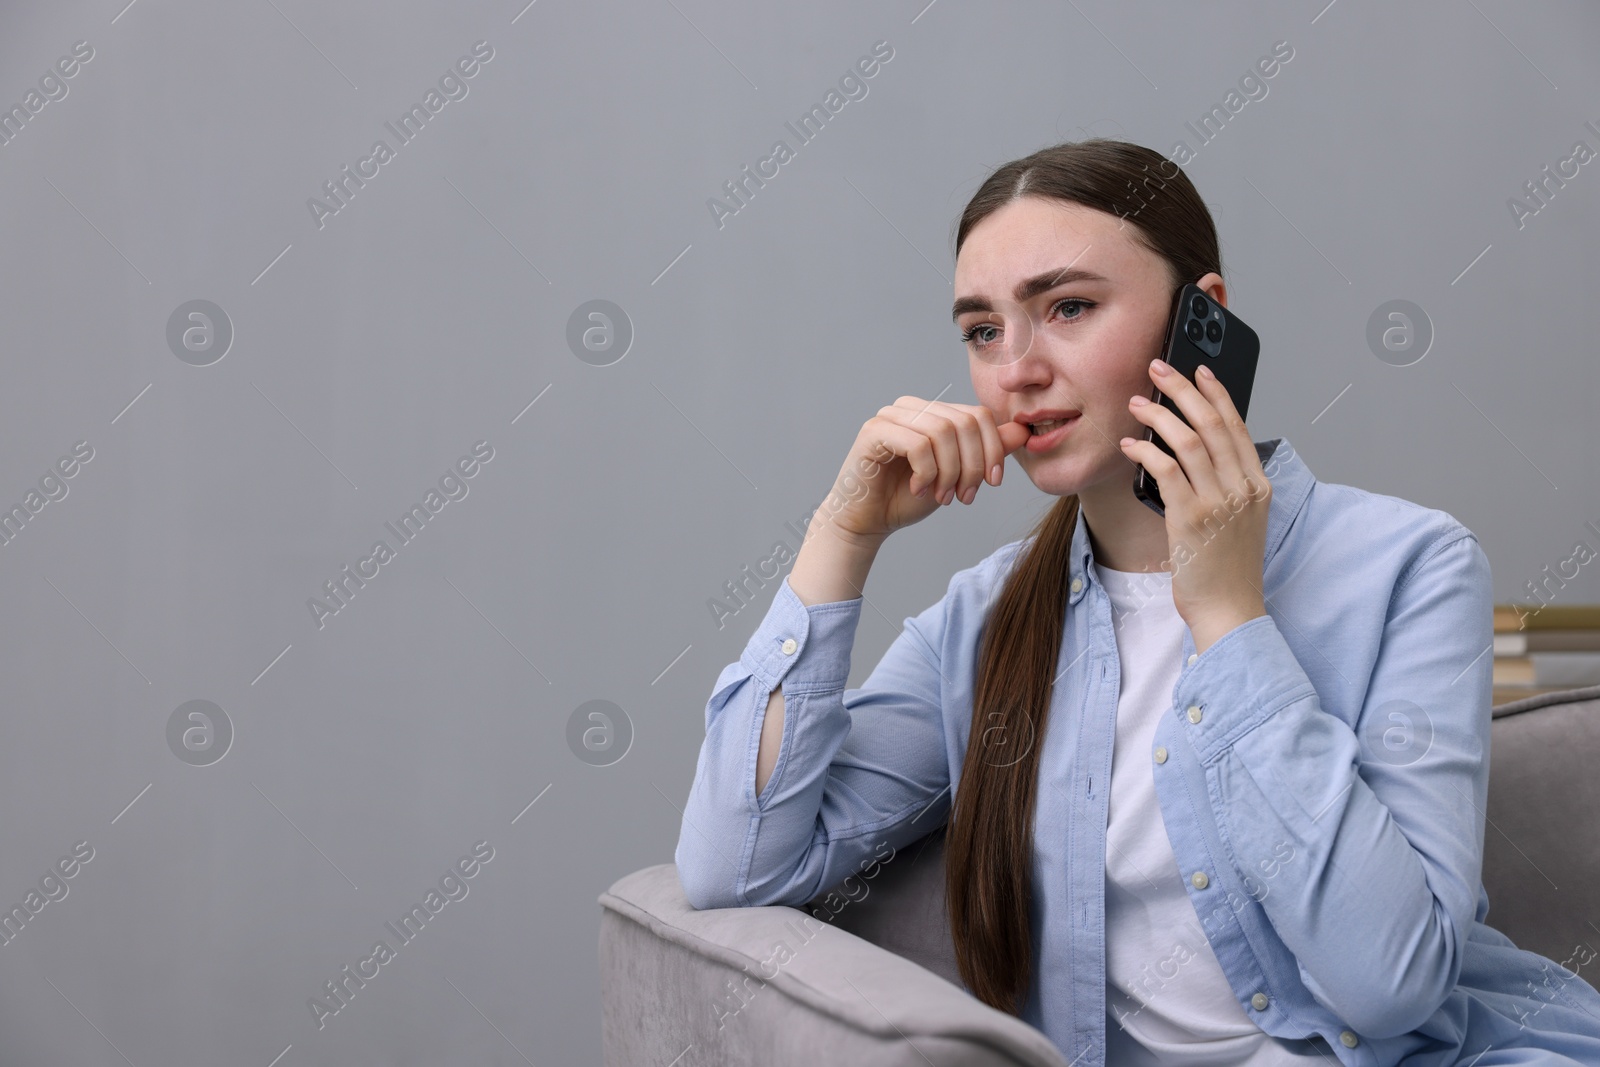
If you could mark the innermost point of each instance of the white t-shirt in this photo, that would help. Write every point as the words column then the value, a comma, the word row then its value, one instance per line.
column 1167, row 1000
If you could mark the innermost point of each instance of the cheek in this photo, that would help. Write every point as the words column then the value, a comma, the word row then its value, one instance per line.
column 1135, row 380
column 989, row 394
column 1111, row 394
column 1130, row 351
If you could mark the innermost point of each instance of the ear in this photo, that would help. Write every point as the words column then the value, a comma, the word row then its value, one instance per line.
column 1212, row 285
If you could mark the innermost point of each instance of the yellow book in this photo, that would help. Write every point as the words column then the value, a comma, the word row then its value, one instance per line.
column 1510, row 618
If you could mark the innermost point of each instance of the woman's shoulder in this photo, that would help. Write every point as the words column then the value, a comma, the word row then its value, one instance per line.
column 981, row 581
column 1382, row 516
column 1320, row 508
column 1375, row 531
column 970, row 593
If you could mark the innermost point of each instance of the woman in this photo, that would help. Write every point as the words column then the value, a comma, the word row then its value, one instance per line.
column 1214, row 780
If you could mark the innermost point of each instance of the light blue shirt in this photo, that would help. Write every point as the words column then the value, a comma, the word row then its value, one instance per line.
column 1347, row 728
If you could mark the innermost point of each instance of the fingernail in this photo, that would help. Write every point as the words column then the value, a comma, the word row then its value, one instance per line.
column 1206, row 371
column 994, row 474
column 1159, row 366
column 1138, row 401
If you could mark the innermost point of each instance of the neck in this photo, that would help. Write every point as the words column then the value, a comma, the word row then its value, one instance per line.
column 1124, row 533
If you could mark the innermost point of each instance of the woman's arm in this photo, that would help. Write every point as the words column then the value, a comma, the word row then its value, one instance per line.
column 799, row 779
column 851, row 769
column 1380, row 893
column 830, row 568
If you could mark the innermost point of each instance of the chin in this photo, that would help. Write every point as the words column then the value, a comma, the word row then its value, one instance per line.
column 1063, row 475
column 1057, row 476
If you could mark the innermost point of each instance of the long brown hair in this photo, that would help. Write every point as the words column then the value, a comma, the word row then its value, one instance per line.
column 989, row 840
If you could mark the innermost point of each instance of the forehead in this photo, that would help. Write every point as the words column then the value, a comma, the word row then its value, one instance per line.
column 1034, row 234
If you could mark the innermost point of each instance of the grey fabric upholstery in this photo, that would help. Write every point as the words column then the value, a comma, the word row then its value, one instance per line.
column 1541, row 846
column 867, row 973
column 693, row 988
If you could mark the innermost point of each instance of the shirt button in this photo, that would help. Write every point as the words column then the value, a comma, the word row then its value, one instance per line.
column 1259, row 1001
column 1194, row 712
column 789, row 646
column 1161, row 754
column 1199, row 879
column 1348, row 1039
column 1193, row 656
column 1077, row 584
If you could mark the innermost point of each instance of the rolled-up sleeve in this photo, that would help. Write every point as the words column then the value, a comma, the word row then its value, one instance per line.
column 856, row 767
column 1367, row 842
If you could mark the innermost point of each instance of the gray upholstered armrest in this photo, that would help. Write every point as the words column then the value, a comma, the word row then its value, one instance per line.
column 777, row 987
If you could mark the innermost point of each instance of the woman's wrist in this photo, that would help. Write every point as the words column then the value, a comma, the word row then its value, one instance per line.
column 832, row 566
column 1208, row 631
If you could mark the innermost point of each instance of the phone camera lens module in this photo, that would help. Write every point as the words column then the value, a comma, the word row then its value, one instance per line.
column 1194, row 330
column 1199, row 306
column 1213, row 331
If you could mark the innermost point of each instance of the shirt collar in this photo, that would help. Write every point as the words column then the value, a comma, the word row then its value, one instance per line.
column 1291, row 483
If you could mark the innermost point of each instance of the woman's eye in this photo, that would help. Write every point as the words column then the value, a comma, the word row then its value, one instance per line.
column 971, row 334
column 1084, row 304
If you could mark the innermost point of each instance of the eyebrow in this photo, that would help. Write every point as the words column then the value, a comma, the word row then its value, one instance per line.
column 1028, row 288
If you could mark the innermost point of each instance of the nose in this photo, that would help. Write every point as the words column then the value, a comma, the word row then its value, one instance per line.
column 1027, row 363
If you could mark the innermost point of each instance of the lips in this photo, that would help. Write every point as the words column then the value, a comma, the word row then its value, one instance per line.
column 1044, row 442
column 1044, row 415
column 1028, row 418
column 1044, row 426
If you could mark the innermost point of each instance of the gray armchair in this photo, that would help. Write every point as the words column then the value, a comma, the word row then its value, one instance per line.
column 866, row 973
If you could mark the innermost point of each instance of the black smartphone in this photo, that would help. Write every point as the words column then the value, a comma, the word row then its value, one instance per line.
column 1200, row 330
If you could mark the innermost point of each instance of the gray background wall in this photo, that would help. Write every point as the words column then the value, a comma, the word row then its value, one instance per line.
column 371, row 352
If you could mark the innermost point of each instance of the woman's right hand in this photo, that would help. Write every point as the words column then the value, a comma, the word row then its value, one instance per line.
column 912, row 457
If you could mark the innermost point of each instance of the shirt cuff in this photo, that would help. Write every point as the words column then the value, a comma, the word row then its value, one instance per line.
column 807, row 649
column 1247, row 675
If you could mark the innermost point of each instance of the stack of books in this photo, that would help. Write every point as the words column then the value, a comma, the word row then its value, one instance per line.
column 1543, row 648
